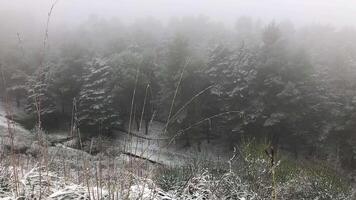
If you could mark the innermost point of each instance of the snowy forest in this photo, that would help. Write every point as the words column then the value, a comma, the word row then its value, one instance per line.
column 188, row 108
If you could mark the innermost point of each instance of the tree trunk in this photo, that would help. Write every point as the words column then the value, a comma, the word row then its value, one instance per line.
column 18, row 103
column 208, row 131
column 199, row 146
column 295, row 150
column 63, row 107
column 147, row 123
column 187, row 140
column 275, row 137
column 137, row 120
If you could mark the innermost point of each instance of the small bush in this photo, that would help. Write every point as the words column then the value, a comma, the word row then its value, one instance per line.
column 287, row 170
column 309, row 180
column 326, row 178
column 172, row 178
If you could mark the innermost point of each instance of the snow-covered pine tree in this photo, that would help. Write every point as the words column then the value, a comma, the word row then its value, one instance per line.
column 233, row 73
column 17, row 86
column 39, row 97
column 95, row 110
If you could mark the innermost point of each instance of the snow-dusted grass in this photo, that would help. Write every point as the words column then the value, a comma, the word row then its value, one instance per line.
column 64, row 172
column 22, row 137
column 118, row 182
column 74, row 174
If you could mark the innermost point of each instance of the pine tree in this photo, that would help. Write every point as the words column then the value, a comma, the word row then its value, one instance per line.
column 177, row 57
column 40, row 101
column 134, row 71
column 17, row 86
column 233, row 72
column 95, row 110
column 66, row 83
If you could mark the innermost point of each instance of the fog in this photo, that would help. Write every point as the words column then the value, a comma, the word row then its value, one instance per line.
column 339, row 13
column 28, row 18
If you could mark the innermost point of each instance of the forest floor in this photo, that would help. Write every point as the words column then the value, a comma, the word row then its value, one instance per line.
column 63, row 164
column 22, row 138
column 137, row 166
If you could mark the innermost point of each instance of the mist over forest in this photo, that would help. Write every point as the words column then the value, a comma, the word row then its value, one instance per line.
column 177, row 99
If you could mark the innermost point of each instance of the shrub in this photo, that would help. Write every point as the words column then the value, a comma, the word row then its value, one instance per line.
column 171, row 178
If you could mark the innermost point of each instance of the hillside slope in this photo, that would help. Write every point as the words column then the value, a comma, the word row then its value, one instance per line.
column 22, row 138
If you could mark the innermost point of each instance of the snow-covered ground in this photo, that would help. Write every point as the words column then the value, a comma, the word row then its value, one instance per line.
column 154, row 149
column 64, row 176
column 157, row 146
column 22, row 137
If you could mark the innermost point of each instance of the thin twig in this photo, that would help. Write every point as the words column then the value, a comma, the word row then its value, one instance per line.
column 187, row 103
column 175, row 94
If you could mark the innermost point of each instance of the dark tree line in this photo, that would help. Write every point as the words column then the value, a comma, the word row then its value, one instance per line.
column 295, row 87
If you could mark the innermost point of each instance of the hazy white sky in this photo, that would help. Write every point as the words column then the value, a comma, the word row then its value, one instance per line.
column 338, row 12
